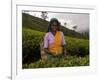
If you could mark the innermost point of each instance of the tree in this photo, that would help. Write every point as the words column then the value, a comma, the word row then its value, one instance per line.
column 44, row 15
column 75, row 27
column 65, row 24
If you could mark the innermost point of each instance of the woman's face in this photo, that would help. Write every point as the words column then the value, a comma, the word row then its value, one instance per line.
column 54, row 26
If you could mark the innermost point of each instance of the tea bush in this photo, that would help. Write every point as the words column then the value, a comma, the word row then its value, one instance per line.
column 69, row 61
column 31, row 47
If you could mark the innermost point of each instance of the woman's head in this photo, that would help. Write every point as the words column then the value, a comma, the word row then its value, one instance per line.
column 54, row 25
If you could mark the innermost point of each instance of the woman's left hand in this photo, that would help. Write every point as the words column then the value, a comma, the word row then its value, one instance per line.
column 65, row 53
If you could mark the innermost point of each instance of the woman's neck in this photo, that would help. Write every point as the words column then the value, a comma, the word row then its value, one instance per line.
column 54, row 32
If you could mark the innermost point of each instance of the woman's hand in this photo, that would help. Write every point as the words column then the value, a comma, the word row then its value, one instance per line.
column 65, row 53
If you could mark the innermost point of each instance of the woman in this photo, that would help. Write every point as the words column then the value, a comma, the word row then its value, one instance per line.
column 54, row 42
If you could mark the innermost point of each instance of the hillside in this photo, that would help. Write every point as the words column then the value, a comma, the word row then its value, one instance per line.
column 35, row 23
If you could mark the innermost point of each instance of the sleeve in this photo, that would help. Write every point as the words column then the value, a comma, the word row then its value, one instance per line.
column 46, row 41
column 63, row 39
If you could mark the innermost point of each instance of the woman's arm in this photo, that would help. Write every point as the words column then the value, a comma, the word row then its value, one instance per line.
column 45, row 46
column 46, row 50
column 64, row 50
column 64, row 45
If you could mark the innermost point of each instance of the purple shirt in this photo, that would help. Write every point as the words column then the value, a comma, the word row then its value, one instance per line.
column 49, row 38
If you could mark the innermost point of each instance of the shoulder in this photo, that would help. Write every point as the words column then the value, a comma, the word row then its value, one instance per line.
column 47, row 34
column 62, row 33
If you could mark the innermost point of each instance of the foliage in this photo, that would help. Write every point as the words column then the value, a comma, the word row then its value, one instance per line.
column 30, row 45
column 77, row 46
column 77, row 49
column 69, row 61
column 35, row 23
